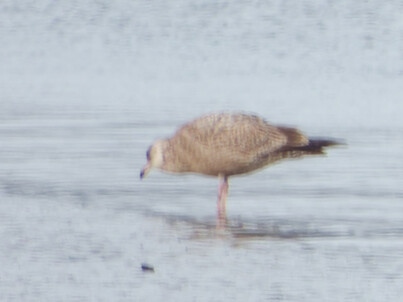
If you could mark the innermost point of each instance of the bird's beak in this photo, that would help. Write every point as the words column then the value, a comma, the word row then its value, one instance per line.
column 145, row 170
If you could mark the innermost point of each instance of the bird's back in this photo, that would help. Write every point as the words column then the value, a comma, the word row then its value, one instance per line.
column 230, row 143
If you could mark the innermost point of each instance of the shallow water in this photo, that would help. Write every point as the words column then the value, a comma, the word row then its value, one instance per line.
column 85, row 88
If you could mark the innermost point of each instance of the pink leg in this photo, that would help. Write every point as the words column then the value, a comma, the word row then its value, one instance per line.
column 222, row 195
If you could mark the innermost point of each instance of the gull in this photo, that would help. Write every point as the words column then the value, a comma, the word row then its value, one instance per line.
column 225, row 144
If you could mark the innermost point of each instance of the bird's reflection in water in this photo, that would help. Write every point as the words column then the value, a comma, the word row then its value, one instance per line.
column 239, row 227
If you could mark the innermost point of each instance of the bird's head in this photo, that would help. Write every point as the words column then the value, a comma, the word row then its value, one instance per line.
column 155, row 157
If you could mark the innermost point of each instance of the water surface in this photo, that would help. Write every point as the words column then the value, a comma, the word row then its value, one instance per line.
column 85, row 89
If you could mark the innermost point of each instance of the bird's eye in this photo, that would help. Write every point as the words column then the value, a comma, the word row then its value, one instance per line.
column 148, row 154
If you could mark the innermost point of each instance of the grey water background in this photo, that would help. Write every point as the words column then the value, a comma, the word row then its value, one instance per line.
column 86, row 86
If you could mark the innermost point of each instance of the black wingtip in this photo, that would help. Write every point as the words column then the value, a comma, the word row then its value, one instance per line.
column 320, row 142
column 316, row 145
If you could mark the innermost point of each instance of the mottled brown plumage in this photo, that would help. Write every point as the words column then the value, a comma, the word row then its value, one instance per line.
column 226, row 144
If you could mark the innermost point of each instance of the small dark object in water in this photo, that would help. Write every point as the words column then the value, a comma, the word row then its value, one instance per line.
column 147, row 267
